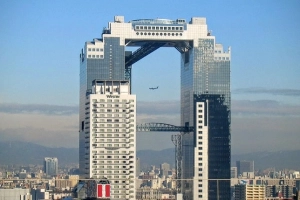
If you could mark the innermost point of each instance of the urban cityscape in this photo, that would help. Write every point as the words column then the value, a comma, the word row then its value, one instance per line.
column 110, row 164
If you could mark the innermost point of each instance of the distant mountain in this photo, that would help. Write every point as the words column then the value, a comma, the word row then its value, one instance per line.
column 277, row 160
column 24, row 153
column 151, row 157
column 28, row 153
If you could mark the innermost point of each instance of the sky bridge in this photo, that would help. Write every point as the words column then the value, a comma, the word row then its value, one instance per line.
column 163, row 127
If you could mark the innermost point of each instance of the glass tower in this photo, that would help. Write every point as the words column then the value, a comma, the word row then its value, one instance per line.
column 51, row 166
column 205, row 79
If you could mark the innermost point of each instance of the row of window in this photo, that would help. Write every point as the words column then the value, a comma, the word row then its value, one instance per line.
column 221, row 58
column 110, row 166
column 112, row 100
column 112, row 110
column 123, row 197
column 95, row 56
column 117, row 186
column 112, row 135
column 159, row 34
column 113, row 157
column 115, row 140
column 115, row 152
column 95, row 49
column 111, row 145
column 113, row 130
column 116, row 181
column 161, row 28
column 111, row 105
column 112, row 125
column 112, row 115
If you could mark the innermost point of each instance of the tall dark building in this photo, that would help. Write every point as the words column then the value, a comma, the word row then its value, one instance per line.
column 204, row 162
column 244, row 166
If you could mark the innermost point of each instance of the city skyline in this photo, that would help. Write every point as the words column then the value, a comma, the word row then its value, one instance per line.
column 34, row 91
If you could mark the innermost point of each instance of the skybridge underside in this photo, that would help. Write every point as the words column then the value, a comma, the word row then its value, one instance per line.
column 149, row 46
column 163, row 127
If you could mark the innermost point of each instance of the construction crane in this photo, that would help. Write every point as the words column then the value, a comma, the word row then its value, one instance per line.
column 176, row 139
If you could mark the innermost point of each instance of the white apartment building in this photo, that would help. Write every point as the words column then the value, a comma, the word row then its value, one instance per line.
column 110, row 136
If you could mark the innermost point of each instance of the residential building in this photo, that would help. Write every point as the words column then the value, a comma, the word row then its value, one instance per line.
column 246, row 192
column 109, row 129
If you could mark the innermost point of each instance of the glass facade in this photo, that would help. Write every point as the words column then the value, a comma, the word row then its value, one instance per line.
column 51, row 166
column 206, row 78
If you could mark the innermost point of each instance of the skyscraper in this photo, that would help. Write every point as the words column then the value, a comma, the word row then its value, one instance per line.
column 244, row 166
column 109, row 130
column 164, row 169
column 204, row 167
column 51, row 166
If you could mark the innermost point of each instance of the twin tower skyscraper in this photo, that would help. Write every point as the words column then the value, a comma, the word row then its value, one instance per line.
column 107, row 121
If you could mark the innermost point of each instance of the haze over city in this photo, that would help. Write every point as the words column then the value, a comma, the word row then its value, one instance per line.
column 39, row 55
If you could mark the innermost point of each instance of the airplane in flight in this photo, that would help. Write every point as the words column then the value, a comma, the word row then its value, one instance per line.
column 152, row 88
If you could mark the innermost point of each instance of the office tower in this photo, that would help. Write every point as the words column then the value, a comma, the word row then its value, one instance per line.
column 233, row 172
column 244, row 166
column 204, row 162
column 245, row 192
column 51, row 166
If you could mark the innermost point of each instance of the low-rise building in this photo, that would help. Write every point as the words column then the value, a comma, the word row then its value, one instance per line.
column 245, row 192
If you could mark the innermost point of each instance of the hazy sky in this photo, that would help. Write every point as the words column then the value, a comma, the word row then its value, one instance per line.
column 40, row 43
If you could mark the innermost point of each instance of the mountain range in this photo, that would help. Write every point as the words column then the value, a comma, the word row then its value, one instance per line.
column 24, row 153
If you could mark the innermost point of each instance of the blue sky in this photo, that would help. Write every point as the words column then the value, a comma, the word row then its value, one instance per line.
column 39, row 67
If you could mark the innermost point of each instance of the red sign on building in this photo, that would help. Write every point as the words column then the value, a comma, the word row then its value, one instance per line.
column 103, row 191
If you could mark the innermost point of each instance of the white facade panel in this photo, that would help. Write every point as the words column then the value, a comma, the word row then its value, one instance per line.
column 200, row 190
